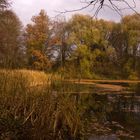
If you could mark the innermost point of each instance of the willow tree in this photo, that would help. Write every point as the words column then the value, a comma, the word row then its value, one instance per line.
column 131, row 24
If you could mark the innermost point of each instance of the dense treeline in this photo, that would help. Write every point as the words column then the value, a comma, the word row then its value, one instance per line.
column 81, row 47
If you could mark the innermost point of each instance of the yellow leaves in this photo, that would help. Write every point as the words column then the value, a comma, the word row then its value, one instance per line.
column 132, row 21
column 131, row 24
column 83, row 28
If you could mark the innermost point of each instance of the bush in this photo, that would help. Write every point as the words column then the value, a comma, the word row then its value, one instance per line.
column 133, row 76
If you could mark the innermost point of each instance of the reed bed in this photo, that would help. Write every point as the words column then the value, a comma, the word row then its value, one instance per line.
column 32, row 112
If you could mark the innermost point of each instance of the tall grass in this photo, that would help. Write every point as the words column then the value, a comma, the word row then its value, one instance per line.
column 30, row 108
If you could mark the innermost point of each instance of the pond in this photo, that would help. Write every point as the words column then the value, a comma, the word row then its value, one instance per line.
column 110, row 115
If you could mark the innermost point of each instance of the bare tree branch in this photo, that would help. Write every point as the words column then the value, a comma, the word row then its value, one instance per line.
column 111, row 4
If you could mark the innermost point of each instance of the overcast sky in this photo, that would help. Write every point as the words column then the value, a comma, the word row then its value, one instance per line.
column 25, row 9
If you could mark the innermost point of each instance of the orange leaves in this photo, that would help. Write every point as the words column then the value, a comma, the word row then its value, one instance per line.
column 37, row 38
column 41, row 61
column 37, row 33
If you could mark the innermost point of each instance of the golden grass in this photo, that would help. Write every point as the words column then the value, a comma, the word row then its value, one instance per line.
column 39, row 113
column 29, row 78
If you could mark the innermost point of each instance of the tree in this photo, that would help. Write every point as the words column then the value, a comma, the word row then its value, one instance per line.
column 40, row 61
column 83, row 58
column 132, row 25
column 37, row 37
column 119, row 40
column 4, row 4
column 117, row 6
column 60, row 45
column 10, row 46
column 125, row 38
column 83, row 30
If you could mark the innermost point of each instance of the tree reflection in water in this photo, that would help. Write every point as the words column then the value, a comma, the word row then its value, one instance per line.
column 110, row 116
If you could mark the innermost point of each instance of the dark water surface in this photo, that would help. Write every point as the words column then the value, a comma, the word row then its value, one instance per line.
column 110, row 116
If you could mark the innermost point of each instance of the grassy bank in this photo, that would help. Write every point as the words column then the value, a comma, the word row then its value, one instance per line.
column 36, row 113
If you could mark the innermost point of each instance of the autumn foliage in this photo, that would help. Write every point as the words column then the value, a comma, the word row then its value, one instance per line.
column 80, row 46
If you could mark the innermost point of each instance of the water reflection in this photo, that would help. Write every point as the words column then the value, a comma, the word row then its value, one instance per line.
column 110, row 137
column 108, row 115
column 111, row 116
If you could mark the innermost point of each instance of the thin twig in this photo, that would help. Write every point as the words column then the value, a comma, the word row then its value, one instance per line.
column 112, row 6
